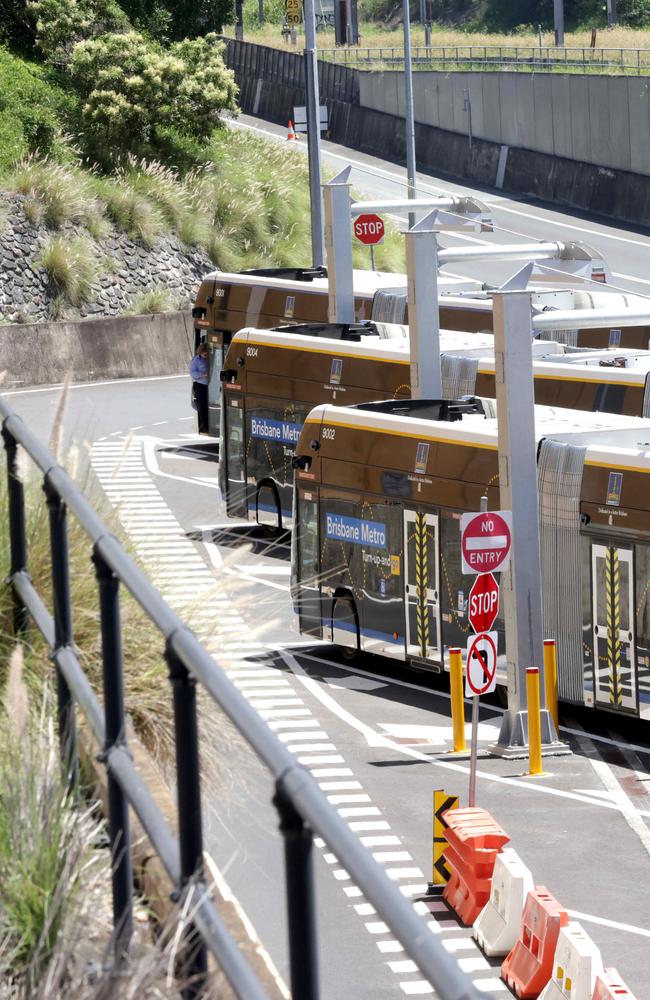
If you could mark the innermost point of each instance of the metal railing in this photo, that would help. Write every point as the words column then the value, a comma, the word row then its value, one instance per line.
column 302, row 807
column 523, row 58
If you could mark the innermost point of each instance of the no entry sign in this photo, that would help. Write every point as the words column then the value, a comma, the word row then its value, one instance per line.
column 481, row 675
column 483, row 603
column 369, row 229
column 485, row 541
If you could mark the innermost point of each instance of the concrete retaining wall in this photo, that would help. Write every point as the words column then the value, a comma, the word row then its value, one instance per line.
column 115, row 347
column 594, row 119
column 619, row 194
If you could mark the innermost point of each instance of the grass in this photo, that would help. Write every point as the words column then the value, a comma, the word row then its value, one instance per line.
column 148, row 699
column 56, row 934
column 376, row 35
column 156, row 300
column 247, row 206
column 71, row 266
column 45, row 840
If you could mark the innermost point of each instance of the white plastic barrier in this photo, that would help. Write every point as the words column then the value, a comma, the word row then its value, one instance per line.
column 576, row 964
column 610, row 986
column 498, row 925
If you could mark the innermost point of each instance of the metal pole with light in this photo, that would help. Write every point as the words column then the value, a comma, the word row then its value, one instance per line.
column 409, row 117
column 522, row 582
column 313, row 135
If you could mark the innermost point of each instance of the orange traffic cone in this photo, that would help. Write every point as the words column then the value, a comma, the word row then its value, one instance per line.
column 291, row 135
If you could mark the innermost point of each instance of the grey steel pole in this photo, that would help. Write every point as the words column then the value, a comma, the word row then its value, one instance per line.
column 118, row 806
column 260, row 12
column 409, row 118
column 558, row 21
column 522, row 583
column 62, row 607
column 17, row 530
column 423, row 311
column 301, row 897
column 338, row 248
column 313, row 135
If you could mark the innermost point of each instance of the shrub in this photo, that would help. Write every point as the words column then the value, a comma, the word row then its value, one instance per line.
column 60, row 24
column 36, row 109
column 129, row 88
column 71, row 266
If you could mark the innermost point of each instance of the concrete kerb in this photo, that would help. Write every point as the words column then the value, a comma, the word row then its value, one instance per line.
column 92, row 349
column 153, row 880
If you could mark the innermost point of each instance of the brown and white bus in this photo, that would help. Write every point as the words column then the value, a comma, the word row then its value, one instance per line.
column 376, row 565
column 272, row 378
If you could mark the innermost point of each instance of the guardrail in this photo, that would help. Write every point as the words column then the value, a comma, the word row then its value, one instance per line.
column 302, row 807
column 523, row 58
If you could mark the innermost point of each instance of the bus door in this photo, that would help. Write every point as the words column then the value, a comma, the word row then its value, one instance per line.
column 612, row 582
column 421, row 585
column 233, row 458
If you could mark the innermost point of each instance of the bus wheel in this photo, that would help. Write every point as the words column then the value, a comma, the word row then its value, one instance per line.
column 345, row 627
column 267, row 505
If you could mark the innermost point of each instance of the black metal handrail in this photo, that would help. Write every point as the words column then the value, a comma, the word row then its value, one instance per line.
column 302, row 807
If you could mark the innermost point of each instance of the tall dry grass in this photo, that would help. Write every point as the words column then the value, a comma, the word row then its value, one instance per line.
column 376, row 34
column 246, row 205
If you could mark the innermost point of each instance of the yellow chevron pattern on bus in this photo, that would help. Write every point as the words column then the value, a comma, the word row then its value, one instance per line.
column 612, row 601
column 421, row 580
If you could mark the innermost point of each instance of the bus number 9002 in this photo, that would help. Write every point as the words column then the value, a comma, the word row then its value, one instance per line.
column 329, row 433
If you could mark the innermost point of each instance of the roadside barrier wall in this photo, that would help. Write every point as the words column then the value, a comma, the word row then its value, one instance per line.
column 113, row 347
column 590, row 118
column 270, row 87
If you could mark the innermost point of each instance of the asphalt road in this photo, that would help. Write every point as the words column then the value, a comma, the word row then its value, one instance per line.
column 369, row 734
column 626, row 250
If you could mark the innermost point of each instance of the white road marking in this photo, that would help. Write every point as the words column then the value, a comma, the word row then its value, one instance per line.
column 93, row 385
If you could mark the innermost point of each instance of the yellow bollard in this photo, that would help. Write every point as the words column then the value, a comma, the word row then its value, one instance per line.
column 550, row 674
column 534, row 721
column 457, row 700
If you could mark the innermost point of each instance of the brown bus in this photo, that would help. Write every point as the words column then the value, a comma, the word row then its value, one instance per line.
column 272, row 378
column 376, row 565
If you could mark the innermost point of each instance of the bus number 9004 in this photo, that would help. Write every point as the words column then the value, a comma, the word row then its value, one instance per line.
column 329, row 433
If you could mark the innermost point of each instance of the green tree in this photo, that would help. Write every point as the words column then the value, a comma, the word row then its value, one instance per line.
column 16, row 25
column 60, row 24
column 177, row 19
column 131, row 90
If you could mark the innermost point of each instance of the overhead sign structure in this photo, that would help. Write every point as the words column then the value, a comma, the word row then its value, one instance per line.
column 486, row 539
column 369, row 229
column 481, row 675
column 483, row 604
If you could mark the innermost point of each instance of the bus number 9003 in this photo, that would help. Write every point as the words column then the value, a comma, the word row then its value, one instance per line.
column 329, row 433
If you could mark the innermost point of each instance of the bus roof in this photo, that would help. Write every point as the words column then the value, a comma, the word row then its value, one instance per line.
column 404, row 418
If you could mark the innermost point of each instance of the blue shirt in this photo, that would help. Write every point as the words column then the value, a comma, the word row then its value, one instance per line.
column 199, row 369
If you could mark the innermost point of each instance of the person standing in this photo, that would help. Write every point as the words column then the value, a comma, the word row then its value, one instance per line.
column 199, row 375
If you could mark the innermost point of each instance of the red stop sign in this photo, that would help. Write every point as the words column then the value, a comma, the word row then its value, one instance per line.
column 369, row 229
column 483, row 603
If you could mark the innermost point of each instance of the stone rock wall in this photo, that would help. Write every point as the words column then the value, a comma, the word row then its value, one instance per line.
column 125, row 269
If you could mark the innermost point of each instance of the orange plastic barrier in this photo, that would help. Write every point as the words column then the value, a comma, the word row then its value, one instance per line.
column 610, row 986
column 529, row 966
column 474, row 839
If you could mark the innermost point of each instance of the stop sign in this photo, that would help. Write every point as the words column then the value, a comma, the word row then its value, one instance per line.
column 369, row 229
column 483, row 603
column 485, row 541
